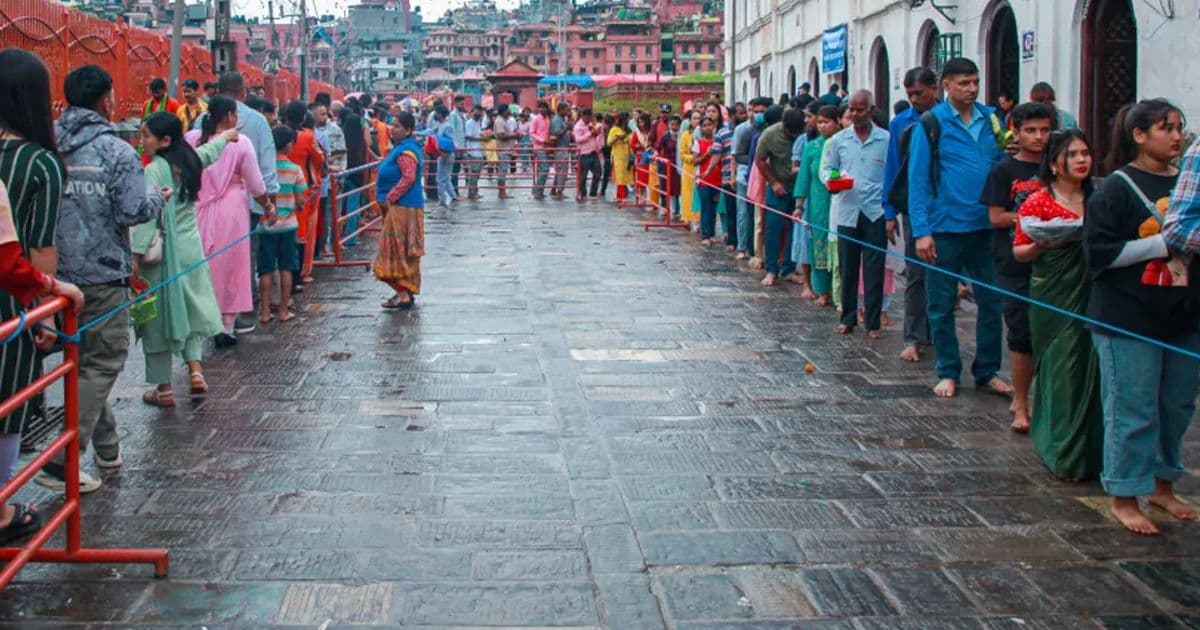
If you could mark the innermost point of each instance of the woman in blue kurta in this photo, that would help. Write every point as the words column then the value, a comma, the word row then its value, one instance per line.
column 398, row 263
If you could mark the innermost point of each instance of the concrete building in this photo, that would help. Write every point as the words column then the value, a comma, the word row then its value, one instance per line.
column 697, row 46
column 1098, row 54
column 458, row 50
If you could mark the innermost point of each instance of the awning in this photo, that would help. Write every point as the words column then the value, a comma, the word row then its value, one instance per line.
column 577, row 80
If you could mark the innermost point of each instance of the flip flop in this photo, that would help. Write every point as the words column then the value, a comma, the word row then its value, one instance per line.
column 25, row 521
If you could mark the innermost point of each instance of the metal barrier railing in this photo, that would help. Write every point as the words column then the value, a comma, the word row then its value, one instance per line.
column 660, row 197
column 69, row 512
column 338, row 220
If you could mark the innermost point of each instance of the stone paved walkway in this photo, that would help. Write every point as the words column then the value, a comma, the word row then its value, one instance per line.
column 584, row 425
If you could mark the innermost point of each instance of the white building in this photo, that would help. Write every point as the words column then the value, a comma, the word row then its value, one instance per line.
column 1098, row 54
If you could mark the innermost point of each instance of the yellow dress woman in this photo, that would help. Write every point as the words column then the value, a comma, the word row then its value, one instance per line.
column 687, row 178
column 618, row 141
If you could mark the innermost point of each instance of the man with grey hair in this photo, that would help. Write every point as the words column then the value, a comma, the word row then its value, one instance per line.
column 859, row 153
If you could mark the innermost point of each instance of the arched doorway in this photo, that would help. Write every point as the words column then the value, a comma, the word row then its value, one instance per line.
column 1109, row 67
column 928, row 43
column 814, row 76
column 881, row 72
column 758, row 86
column 1003, row 54
column 791, row 84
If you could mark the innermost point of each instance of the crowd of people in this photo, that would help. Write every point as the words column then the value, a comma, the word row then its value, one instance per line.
column 998, row 205
column 182, row 234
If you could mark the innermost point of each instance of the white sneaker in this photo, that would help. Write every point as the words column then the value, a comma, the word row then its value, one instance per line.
column 87, row 483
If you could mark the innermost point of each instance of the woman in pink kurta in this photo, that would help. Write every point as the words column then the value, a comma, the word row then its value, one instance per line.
column 223, row 212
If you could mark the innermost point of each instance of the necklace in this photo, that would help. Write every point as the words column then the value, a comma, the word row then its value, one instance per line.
column 1065, row 199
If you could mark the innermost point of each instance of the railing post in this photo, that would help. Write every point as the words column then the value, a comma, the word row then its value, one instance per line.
column 71, row 417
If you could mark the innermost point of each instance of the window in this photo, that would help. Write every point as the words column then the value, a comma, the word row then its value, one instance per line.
column 683, row 66
column 712, row 48
column 595, row 70
column 650, row 50
column 617, row 69
column 617, row 52
column 649, row 68
column 633, row 51
column 712, row 66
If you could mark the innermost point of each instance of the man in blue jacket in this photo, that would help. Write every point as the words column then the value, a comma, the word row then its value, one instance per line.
column 951, row 227
column 920, row 85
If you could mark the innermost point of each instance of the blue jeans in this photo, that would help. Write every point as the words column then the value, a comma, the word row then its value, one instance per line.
column 1149, row 396
column 777, row 256
column 543, row 170
column 968, row 254
column 447, row 191
column 708, row 209
column 745, row 221
column 731, row 218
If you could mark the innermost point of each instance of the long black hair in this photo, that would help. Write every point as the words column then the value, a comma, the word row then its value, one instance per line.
column 356, row 149
column 219, row 108
column 180, row 155
column 1143, row 115
column 1060, row 140
column 25, row 98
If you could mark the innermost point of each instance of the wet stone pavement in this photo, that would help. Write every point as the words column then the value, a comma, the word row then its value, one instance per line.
column 584, row 425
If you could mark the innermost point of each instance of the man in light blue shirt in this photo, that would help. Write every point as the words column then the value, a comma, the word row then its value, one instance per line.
column 473, row 134
column 952, row 228
column 860, row 153
column 458, row 126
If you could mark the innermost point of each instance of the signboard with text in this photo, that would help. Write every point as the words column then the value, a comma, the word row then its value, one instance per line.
column 833, row 50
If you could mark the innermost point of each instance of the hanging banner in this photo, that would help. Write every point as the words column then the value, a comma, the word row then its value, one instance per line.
column 833, row 50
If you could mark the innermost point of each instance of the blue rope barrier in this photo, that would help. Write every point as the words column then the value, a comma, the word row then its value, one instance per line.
column 62, row 336
column 16, row 334
column 974, row 281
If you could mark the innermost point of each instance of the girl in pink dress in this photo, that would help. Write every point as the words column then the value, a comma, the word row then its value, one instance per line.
column 223, row 212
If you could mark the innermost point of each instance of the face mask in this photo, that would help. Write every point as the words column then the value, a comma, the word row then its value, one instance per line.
column 759, row 119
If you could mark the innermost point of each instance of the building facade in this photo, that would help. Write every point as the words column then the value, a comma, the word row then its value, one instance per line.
column 1098, row 54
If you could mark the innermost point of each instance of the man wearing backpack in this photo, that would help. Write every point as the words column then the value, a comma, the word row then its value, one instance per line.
column 948, row 166
column 920, row 84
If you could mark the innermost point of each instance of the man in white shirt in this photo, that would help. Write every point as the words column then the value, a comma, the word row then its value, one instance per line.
column 473, row 135
column 505, row 128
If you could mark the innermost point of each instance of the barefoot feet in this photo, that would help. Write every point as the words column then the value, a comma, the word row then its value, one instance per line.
column 912, row 354
column 1165, row 498
column 945, row 388
column 1129, row 515
column 1020, row 416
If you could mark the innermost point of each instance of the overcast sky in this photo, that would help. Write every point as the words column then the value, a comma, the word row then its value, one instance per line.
column 430, row 9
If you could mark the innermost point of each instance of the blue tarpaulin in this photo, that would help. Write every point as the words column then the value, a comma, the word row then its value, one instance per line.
column 577, row 80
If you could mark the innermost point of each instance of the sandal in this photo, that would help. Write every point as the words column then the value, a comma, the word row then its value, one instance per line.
column 25, row 521
column 843, row 329
column 156, row 398
column 396, row 302
column 199, row 385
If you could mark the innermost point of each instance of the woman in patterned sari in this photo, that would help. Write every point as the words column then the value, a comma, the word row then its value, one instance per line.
column 402, row 243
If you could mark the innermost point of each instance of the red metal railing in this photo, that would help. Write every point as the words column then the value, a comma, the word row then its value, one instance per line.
column 66, row 39
column 337, row 181
column 69, row 512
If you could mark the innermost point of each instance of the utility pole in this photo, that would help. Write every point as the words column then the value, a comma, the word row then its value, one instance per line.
column 224, row 57
column 176, row 48
column 273, row 55
column 305, row 36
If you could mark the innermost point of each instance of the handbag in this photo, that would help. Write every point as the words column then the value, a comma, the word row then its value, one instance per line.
column 154, row 251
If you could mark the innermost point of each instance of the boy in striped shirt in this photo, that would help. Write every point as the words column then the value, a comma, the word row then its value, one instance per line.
column 277, row 242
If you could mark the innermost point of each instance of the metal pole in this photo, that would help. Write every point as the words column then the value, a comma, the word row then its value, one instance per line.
column 176, row 48
column 304, row 37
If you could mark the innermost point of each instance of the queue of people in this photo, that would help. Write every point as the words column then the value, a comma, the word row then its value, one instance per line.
column 205, row 215
column 1003, row 206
